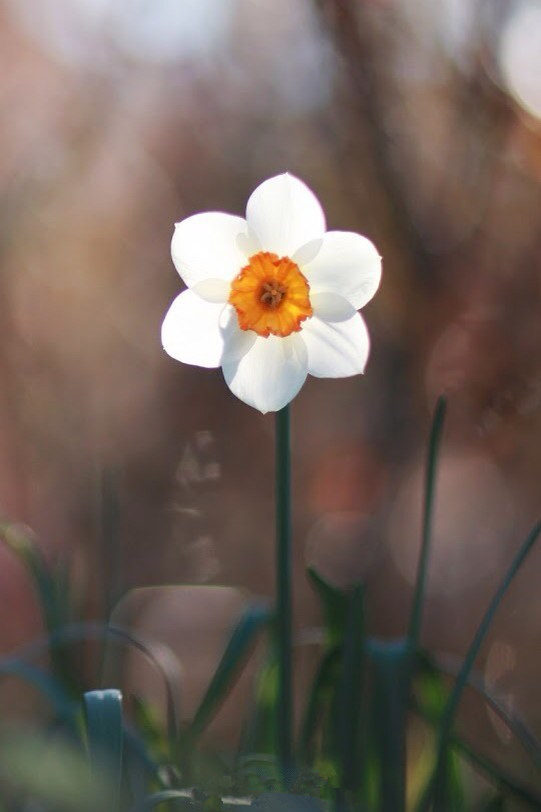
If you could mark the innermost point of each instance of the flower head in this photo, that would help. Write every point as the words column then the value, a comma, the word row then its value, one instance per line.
column 273, row 297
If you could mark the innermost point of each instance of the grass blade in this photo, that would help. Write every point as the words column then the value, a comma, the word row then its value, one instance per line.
column 392, row 665
column 52, row 588
column 158, row 655
column 503, row 780
column 253, row 619
column 436, row 787
column 430, row 491
column 348, row 695
column 105, row 738
column 514, row 722
column 335, row 606
column 259, row 734
column 319, row 697
column 491, row 771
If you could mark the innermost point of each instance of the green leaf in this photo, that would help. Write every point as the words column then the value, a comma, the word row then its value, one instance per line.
column 392, row 665
column 510, row 717
column 432, row 693
column 105, row 736
column 148, row 722
column 319, row 698
column 437, row 785
column 430, row 491
column 253, row 619
column 347, row 703
column 51, row 583
column 138, row 765
column 259, row 734
column 491, row 771
column 158, row 655
column 334, row 603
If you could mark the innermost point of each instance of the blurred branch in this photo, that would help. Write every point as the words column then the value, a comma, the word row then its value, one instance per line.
column 351, row 32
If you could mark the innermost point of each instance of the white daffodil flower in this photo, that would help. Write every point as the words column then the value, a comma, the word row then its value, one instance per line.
column 271, row 298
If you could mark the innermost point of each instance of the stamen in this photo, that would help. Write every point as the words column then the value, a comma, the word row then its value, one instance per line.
column 273, row 293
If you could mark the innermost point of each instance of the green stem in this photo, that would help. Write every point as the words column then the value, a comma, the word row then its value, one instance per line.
column 436, row 787
column 283, row 591
column 391, row 662
column 430, row 489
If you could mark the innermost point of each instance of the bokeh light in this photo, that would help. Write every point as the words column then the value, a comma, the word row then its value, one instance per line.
column 160, row 31
column 473, row 521
column 520, row 56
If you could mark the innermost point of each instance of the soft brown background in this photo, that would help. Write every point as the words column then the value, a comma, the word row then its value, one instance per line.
column 119, row 119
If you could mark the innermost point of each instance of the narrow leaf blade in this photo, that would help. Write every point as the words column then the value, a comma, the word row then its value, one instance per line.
column 253, row 619
column 334, row 603
column 105, row 736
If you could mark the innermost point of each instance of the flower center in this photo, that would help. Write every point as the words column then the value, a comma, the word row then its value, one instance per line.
column 270, row 295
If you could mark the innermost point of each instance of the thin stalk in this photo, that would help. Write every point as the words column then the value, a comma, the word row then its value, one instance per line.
column 391, row 661
column 318, row 698
column 430, row 490
column 436, row 787
column 493, row 772
column 416, row 616
column 347, row 706
column 513, row 721
column 283, row 592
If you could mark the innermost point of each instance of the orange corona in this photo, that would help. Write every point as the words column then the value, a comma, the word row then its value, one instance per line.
column 271, row 295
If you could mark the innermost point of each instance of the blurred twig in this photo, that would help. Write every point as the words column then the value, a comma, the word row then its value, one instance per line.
column 351, row 32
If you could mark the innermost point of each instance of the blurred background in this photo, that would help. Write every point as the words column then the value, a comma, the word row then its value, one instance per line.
column 418, row 124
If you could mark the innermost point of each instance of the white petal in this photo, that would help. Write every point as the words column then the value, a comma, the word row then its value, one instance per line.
column 191, row 332
column 270, row 374
column 347, row 264
column 237, row 342
column 285, row 214
column 336, row 350
column 213, row 290
column 209, row 246
column 307, row 252
column 249, row 243
column 331, row 307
